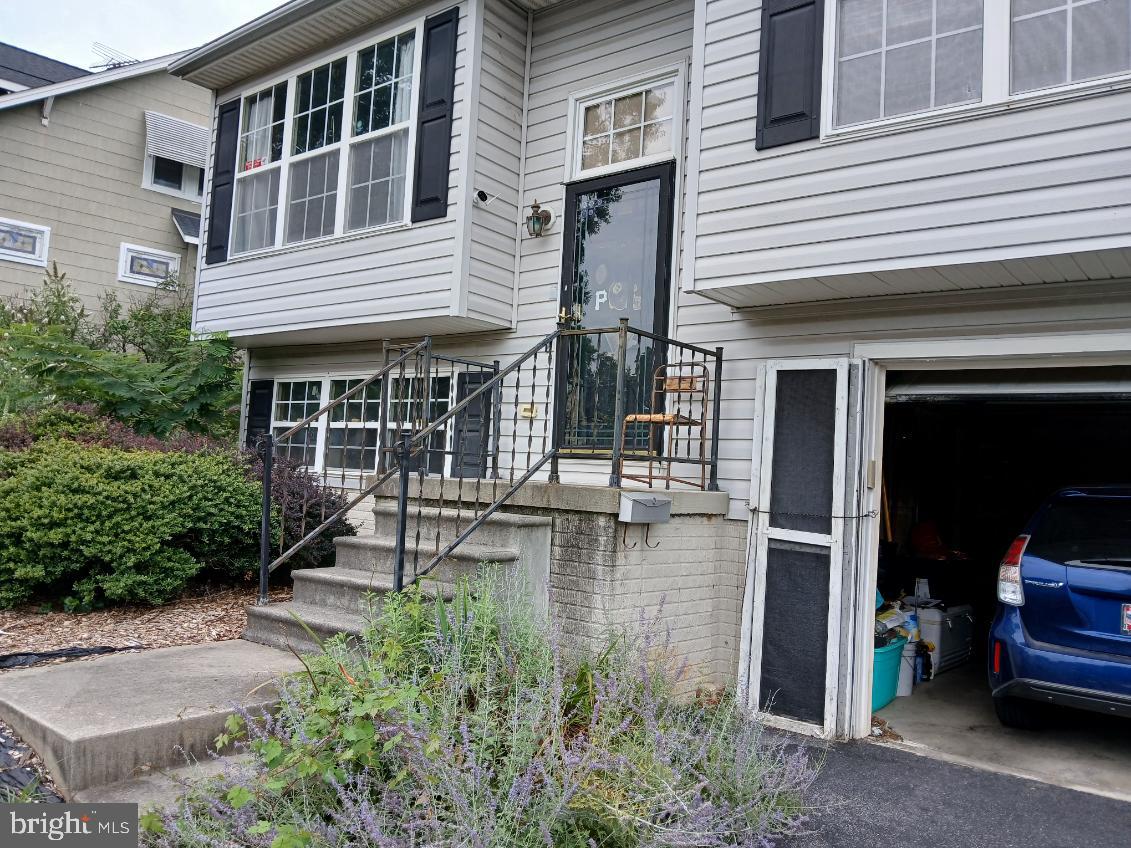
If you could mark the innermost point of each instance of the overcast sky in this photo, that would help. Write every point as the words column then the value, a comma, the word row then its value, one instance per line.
column 66, row 29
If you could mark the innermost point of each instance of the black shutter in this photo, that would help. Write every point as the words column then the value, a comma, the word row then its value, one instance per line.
column 223, row 181
column 434, row 121
column 789, row 72
column 260, row 395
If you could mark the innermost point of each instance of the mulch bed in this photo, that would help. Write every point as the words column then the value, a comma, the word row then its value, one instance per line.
column 210, row 617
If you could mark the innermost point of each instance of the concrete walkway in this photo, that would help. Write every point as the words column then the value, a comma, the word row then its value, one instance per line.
column 98, row 722
column 953, row 715
column 872, row 795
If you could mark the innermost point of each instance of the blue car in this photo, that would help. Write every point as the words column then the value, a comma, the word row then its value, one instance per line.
column 1062, row 632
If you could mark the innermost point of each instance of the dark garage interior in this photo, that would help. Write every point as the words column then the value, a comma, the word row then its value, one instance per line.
column 968, row 458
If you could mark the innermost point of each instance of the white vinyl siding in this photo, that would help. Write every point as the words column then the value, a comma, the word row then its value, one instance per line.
column 397, row 281
column 946, row 206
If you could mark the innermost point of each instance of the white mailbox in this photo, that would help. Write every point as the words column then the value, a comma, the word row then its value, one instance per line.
column 644, row 508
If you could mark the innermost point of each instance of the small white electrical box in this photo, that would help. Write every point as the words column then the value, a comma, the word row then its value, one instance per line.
column 644, row 508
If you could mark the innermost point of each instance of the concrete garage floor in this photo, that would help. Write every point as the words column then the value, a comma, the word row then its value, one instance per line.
column 952, row 717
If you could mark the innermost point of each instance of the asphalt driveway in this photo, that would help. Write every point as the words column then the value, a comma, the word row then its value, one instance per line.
column 872, row 795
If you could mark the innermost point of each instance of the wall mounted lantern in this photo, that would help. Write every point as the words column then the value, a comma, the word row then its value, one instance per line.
column 539, row 220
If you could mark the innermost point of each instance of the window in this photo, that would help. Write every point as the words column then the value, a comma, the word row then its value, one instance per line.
column 338, row 155
column 23, row 242
column 167, row 173
column 146, row 265
column 895, row 58
column 347, row 438
column 1061, row 41
column 354, row 426
column 257, row 207
column 296, row 401
column 629, row 127
column 172, row 177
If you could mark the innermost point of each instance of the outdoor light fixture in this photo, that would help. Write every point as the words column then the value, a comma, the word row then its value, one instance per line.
column 538, row 221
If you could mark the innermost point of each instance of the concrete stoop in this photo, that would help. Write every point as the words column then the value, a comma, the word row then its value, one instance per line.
column 100, row 722
column 344, row 598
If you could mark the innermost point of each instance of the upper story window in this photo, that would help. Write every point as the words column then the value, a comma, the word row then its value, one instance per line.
column 175, row 154
column 903, row 57
column 332, row 144
column 627, row 128
column 23, row 242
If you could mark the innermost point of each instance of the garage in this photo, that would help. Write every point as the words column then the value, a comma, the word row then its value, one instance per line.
column 968, row 457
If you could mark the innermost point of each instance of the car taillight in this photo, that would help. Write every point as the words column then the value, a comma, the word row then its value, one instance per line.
column 1009, row 589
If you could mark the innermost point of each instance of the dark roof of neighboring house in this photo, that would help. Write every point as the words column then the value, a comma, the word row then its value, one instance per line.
column 26, row 68
column 188, row 225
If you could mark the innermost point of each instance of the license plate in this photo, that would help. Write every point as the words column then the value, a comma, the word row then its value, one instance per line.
column 1127, row 618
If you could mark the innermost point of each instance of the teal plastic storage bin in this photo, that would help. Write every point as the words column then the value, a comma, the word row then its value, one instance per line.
column 885, row 673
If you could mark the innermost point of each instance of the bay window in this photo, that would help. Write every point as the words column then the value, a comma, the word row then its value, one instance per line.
column 332, row 143
column 894, row 58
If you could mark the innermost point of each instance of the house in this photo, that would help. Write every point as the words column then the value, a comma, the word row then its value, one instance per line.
column 907, row 226
column 101, row 173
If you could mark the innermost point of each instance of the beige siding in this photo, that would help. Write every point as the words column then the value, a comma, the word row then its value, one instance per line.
column 82, row 176
column 794, row 223
column 379, row 280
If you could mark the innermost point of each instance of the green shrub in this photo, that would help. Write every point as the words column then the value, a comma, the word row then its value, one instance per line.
column 107, row 525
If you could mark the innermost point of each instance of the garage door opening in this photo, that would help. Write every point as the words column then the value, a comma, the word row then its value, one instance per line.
column 968, row 457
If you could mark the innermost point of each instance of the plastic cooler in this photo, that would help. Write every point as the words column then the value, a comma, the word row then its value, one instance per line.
column 885, row 673
column 951, row 631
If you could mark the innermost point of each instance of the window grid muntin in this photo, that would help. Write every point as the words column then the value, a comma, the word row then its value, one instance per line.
column 885, row 49
column 1068, row 7
column 409, row 124
column 323, row 108
column 295, row 401
column 613, row 130
column 353, row 427
column 400, row 79
column 323, row 197
column 996, row 78
column 262, row 143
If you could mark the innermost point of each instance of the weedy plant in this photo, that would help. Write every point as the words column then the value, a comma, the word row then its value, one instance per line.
column 469, row 723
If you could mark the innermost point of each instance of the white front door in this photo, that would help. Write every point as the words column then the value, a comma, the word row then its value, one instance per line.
column 803, row 486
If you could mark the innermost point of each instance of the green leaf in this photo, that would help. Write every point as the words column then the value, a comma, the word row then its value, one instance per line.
column 239, row 797
column 151, row 822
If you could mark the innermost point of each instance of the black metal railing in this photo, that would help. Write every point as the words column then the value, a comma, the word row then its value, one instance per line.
column 461, row 437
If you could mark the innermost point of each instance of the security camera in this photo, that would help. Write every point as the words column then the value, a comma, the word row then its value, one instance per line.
column 482, row 195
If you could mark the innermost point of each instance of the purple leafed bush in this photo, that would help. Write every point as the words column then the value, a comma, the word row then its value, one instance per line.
column 471, row 724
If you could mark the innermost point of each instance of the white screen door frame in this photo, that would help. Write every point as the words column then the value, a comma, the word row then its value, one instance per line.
column 763, row 531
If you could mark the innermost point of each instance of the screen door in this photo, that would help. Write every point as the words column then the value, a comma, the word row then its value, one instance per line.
column 792, row 607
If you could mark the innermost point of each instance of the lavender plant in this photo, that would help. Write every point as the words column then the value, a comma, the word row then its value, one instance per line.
column 471, row 724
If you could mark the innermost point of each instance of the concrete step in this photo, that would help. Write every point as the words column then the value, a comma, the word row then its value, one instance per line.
column 99, row 722
column 348, row 590
column 275, row 625
column 500, row 530
column 373, row 555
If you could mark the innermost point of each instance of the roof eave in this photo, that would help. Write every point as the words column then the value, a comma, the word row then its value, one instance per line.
column 59, row 89
column 266, row 24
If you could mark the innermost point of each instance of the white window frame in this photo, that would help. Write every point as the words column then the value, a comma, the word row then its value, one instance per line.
column 579, row 101
column 343, row 145
column 996, row 72
column 125, row 251
column 189, row 193
column 43, row 243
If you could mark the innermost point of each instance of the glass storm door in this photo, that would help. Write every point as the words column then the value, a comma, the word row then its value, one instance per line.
column 802, row 479
column 617, row 264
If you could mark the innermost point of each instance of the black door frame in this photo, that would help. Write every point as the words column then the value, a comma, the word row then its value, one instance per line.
column 666, row 237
